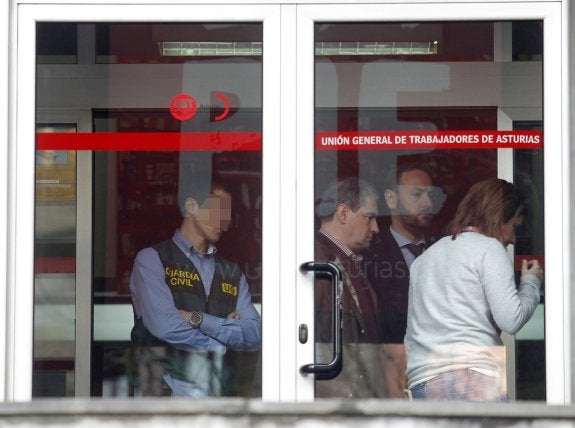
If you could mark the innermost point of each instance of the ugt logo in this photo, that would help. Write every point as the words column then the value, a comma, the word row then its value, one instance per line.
column 183, row 107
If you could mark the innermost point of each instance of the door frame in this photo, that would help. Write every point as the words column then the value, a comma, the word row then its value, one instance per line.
column 20, row 274
column 288, row 168
column 556, row 182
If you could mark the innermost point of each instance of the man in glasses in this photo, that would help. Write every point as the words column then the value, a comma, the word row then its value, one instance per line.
column 347, row 212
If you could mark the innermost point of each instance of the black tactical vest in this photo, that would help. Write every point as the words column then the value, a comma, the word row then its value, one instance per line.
column 187, row 288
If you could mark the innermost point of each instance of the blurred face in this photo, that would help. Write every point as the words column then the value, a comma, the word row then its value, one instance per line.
column 414, row 201
column 362, row 226
column 215, row 215
column 509, row 229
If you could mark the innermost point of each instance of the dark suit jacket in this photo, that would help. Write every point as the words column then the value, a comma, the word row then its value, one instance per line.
column 388, row 273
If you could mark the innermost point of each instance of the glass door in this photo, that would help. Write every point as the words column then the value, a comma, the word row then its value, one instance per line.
column 269, row 105
column 147, row 196
column 408, row 109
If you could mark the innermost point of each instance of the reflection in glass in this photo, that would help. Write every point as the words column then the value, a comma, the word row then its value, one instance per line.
column 365, row 86
column 55, row 270
column 138, row 163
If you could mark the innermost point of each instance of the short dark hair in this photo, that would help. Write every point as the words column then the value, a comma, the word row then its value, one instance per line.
column 197, row 179
column 194, row 178
column 394, row 175
column 199, row 189
column 487, row 205
column 351, row 191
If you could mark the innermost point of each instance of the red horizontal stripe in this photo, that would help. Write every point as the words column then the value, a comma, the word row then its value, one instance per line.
column 431, row 140
column 150, row 141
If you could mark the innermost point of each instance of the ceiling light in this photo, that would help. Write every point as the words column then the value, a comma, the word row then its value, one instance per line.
column 210, row 48
column 375, row 48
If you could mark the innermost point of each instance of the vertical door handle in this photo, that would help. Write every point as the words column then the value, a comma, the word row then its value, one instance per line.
column 328, row 270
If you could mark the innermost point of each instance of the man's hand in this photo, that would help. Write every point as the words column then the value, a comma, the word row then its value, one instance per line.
column 185, row 314
column 232, row 316
column 394, row 365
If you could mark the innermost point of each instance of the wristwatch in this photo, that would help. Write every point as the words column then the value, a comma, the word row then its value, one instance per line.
column 195, row 319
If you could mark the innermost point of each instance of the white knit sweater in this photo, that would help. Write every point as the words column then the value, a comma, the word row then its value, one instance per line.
column 461, row 293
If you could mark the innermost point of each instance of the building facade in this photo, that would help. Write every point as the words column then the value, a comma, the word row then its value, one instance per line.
column 109, row 103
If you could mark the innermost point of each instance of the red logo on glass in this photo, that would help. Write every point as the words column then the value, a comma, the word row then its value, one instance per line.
column 183, row 107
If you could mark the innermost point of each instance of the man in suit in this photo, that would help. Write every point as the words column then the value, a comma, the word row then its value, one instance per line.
column 408, row 194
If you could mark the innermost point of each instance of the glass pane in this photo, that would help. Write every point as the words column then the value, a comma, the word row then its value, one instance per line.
column 176, row 173
column 57, row 44
column 55, row 268
column 408, row 117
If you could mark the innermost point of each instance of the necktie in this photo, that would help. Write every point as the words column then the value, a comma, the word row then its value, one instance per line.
column 416, row 249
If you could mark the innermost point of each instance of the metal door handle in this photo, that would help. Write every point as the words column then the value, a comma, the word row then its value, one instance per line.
column 328, row 270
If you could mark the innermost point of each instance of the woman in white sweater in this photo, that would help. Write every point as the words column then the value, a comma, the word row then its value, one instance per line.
column 463, row 294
